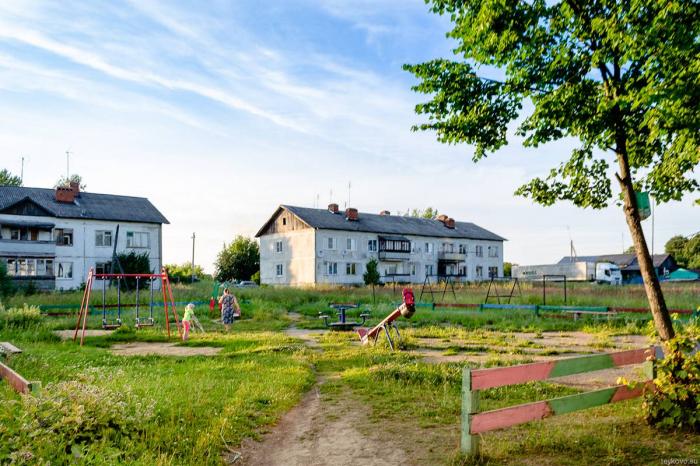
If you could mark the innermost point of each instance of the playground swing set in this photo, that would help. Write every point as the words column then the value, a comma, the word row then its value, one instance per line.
column 140, row 320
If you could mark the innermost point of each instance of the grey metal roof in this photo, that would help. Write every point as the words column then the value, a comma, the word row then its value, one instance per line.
column 91, row 206
column 624, row 261
column 386, row 224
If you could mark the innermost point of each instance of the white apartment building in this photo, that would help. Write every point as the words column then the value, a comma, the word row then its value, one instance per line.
column 304, row 246
column 53, row 237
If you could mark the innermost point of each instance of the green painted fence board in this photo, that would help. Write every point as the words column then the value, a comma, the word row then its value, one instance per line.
column 581, row 364
column 568, row 404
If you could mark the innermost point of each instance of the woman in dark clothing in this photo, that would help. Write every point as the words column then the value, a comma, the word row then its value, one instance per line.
column 228, row 304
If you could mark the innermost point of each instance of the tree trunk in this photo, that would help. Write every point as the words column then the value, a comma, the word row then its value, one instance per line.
column 657, row 304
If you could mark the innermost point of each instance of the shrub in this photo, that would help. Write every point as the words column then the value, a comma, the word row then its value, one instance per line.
column 675, row 402
column 19, row 317
column 6, row 286
column 70, row 420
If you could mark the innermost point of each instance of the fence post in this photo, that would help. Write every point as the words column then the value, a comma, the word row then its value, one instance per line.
column 470, row 406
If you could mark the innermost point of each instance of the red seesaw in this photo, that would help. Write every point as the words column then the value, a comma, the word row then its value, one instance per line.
column 406, row 309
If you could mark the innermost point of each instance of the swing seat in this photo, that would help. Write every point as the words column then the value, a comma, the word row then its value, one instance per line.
column 144, row 323
column 111, row 326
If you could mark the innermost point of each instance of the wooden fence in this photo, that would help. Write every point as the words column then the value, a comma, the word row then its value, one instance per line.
column 475, row 422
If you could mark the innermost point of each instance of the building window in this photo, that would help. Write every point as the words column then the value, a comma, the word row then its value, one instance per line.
column 479, row 271
column 462, row 248
column 429, row 248
column 413, row 269
column 15, row 234
column 479, row 251
column 332, row 268
column 493, row 251
column 462, row 271
column 64, row 236
column 394, row 245
column 350, row 268
column 278, row 246
column 102, row 267
column 351, row 244
column 64, row 270
column 428, row 269
column 137, row 239
column 372, row 245
column 11, row 267
column 493, row 272
column 279, row 270
column 44, row 267
column 330, row 244
column 103, row 238
column 284, row 220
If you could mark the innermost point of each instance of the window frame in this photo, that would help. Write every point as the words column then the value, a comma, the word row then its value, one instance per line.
column 104, row 234
column 61, row 266
column 131, row 235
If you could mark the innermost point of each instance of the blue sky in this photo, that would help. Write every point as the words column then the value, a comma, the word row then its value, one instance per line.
column 219, row 111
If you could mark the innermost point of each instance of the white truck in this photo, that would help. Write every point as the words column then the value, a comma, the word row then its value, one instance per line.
column 599, row 272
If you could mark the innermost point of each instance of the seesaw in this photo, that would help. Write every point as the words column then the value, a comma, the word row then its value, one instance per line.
column 406, row 309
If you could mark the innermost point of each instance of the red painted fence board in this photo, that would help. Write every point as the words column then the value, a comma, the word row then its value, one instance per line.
column 17, row 382
column 506, row 417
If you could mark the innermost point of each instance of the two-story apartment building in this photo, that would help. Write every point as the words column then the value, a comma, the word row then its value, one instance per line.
column 54, row 236
column 305, row 246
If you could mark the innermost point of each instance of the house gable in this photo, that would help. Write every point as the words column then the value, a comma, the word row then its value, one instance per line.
column 27, row 206
column 282, row 221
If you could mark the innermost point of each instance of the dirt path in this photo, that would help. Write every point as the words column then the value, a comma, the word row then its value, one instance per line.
column 162, row 349
column 68, row 334
column 322, row 431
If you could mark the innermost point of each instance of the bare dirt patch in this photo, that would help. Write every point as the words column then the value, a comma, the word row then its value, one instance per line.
column 162, row 349
column 309, row 336
column 68, row 334
column 323, row 431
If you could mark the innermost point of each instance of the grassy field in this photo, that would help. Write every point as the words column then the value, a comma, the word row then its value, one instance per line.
column 99, row 407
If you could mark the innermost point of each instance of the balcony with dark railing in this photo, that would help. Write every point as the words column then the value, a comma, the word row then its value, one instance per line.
column 394, row 248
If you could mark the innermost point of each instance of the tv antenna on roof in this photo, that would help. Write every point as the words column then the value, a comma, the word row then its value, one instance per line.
column 68, row 152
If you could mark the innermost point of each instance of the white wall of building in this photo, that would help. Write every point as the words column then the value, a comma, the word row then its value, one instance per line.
column 84, row 252
column 288, row 258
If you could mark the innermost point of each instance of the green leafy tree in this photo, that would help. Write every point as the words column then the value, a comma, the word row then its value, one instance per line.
column 238, row 260
column 676, row 247
column 182, row 273
column 74, row 178
column 6, row 286
column 8, row 179
column 133, row 262
column 371, row 276
column 507, row 269
column 621, row 77
column 630, row 250
column 692, row 252
column 428, row 213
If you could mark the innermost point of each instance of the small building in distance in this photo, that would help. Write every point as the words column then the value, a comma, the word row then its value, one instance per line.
column 664, row 264
column 304, row 246
column 52, row 237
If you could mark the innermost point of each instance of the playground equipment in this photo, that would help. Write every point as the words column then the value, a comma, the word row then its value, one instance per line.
column 342, row 323
column 502, row 292
column 168, row 301
column 406, row 309
column 447, row 281
column 554, row 278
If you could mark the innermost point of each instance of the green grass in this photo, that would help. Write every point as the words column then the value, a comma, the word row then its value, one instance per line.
column 203, row 405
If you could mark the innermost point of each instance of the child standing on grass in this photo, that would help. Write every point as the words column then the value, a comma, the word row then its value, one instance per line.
column 187, row 321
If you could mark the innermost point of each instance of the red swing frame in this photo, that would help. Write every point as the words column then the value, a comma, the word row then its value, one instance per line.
column 168, row 300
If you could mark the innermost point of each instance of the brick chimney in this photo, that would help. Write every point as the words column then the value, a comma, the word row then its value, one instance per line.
column 450, row 223
column 351, row 214
column 75, row 187
column 333, row 208
column 65, row 194
column 384, row 212
column 442, row 217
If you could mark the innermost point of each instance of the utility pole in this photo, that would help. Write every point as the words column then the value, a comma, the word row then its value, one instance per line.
column 193, row 237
